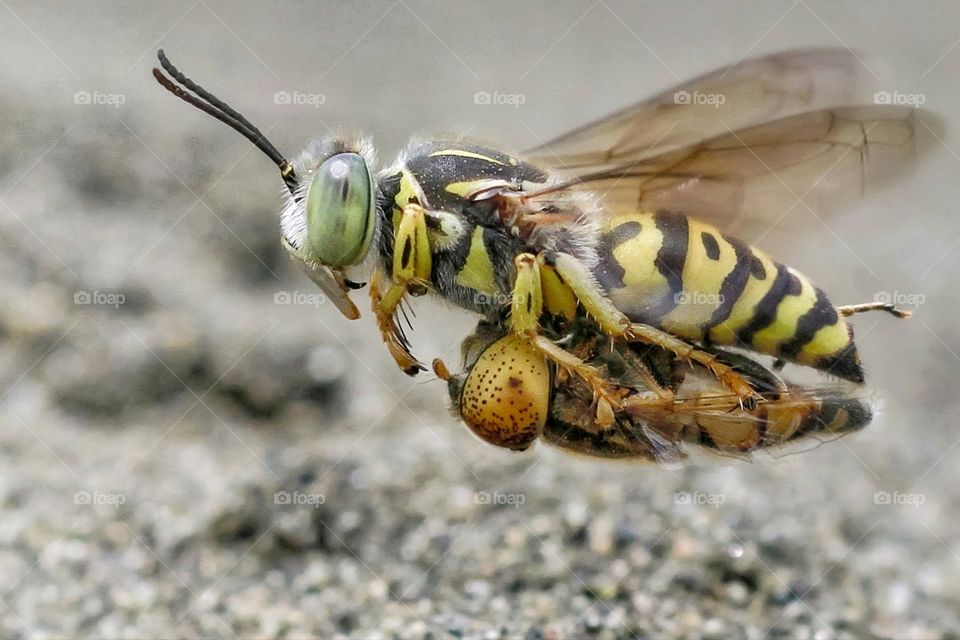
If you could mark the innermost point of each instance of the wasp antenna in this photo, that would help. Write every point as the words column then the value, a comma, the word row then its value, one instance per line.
column 189, row 84
column 214, row 106
column 167, row 84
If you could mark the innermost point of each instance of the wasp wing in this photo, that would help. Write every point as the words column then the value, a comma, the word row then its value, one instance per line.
column 769, row 149
column 812, row 162
column 745, row 94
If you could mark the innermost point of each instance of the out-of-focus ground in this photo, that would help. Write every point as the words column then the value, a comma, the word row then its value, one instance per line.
column 184, row 455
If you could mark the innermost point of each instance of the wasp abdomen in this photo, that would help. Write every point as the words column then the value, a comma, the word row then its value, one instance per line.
column 690, row 279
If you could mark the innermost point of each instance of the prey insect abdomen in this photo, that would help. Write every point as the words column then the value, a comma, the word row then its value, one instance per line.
column 778, row 421
column 688, row 278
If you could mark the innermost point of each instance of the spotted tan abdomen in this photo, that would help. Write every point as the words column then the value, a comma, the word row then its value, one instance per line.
column 506, row 396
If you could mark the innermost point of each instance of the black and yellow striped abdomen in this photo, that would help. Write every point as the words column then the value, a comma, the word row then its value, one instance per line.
column 688, row 278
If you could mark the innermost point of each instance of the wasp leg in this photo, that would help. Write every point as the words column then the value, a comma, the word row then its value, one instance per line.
column 662, row 395
column 727, row 375
column 558, row 298
column 412, row 259
column 615, row 323
column 606, row 398
column 850, row 309
column 411, row 274
column 526, row 309
column 385, row 304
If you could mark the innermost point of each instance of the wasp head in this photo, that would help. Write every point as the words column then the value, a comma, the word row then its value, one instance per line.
column 329, row 214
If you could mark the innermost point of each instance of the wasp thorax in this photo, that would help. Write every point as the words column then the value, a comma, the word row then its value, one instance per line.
column 341, row 210
column 506, row 396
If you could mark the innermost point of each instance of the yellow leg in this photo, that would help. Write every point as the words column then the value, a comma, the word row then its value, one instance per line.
column 526, row 309
column 683, row 349
column 385, row 304
column 637, row 366
column 411, row 274
column 527, row 303
column 558, row 299
column 615, row 323
column 605, row 396
column 412, row 259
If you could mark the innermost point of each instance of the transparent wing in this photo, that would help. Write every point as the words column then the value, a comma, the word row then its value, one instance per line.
column 783, row 423
column 751, row 143
column 748, row 93
column 814, row 161
column 711, row 421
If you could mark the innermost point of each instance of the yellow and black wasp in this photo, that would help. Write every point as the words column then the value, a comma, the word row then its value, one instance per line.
column 619, row 222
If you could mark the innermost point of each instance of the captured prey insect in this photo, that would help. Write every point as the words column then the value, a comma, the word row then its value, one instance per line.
column 509, row 396
column 628, row 231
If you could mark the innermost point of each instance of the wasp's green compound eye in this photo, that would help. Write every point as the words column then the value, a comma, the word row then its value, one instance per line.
column 341, row 210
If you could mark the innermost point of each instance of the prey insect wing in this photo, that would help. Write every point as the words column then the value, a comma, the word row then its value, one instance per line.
column 701, row 414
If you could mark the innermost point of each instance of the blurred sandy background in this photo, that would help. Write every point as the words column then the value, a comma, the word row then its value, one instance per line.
column 184, row 457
